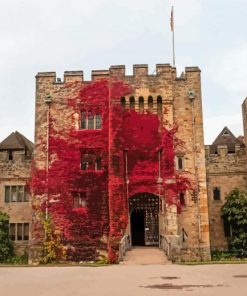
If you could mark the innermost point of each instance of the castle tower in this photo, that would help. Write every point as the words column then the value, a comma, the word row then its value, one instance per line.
column 162, row 101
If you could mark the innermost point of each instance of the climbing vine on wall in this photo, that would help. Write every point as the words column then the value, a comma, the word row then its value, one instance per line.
column 128, row 145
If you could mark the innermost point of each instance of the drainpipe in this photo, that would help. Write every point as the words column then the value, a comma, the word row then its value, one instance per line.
column 159, row 183
column 191, row 95
column 48, row 101
column 127, row 188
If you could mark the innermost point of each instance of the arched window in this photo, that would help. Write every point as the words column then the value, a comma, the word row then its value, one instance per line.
column 159, row 105
column 150, row 104
column 132, row 103
column 216, row 193
column 141, row 104
column 180, row 163
column 123, row 103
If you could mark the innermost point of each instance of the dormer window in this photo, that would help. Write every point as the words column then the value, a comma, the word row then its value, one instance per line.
column 226, row 133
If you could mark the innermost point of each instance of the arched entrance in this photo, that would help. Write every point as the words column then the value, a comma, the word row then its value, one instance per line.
column 144, row 219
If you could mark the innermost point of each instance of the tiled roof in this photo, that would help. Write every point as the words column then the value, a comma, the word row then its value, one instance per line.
column 16, row 141
column 227, row 138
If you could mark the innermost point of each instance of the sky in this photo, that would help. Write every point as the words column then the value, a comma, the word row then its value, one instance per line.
column 60, row 35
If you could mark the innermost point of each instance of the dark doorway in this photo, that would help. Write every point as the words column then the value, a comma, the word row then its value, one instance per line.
column 144, row 219
column 137, row 228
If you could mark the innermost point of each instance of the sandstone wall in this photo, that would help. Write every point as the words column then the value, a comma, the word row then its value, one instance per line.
column 225, row 171
column 177, row 108
column 14, row 173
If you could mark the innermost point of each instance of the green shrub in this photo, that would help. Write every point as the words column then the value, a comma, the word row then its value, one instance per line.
column 6, row 246
column 235, row 212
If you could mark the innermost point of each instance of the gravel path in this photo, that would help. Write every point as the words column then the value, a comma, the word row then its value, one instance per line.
column 125, row 280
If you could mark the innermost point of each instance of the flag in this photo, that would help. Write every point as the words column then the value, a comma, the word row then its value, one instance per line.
column 172, row 20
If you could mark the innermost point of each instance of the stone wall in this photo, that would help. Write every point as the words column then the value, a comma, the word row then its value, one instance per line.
column 15, row 173
column 182, row 105
column 225, row 171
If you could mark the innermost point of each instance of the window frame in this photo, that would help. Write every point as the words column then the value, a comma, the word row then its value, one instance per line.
column 19, row 231
column 179, row 162
column 91, row 162
column 79, row 200
column 90, row 120
column 15, row 194
column 219, row 192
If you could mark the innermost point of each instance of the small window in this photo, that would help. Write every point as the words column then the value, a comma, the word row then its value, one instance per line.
column 13, row 194
column 150, row 104
column 90, row 162
column 123, row 103
column 83, row 120
column 182, row 199
column 7, row 193
column 159, row 105
column 98, row 121
column 141, row 104
column 26, row 231
column 180, row 163
column 26, row 196
column 132, row 103
column 20, row 193
column 84, row 165
column 10, row 155
column 79, row 200
column 216, row 193
column 19, row 231
column 16, row 194
column 90, row 122
column 98, row 164
column 12, row 231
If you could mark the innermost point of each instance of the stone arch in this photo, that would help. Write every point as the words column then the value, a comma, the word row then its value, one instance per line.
column 141, row 104
column 150, row 104
column 132, row 102
column 159, row 105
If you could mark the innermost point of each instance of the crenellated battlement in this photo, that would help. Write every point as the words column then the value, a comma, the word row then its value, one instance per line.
column 119, row 72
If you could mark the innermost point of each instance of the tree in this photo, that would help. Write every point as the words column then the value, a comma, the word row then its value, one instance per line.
column 6, row 247
column 234, row 212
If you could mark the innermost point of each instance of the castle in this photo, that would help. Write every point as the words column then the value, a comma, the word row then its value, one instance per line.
column 120, row 161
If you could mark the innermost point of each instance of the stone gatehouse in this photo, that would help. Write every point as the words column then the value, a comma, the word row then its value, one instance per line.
column 100, row 164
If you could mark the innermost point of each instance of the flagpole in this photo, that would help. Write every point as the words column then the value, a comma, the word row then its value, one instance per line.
column 173, row 36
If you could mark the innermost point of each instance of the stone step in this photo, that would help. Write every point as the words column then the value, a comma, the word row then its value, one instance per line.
column 145, row 256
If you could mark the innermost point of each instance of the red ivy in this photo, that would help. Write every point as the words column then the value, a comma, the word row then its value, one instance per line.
column 103, row 220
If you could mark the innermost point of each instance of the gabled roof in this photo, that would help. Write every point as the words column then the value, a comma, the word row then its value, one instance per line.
column 226, row 137
column 16, row 141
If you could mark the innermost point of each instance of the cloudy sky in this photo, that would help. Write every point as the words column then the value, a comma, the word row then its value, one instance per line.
column 59, row 35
